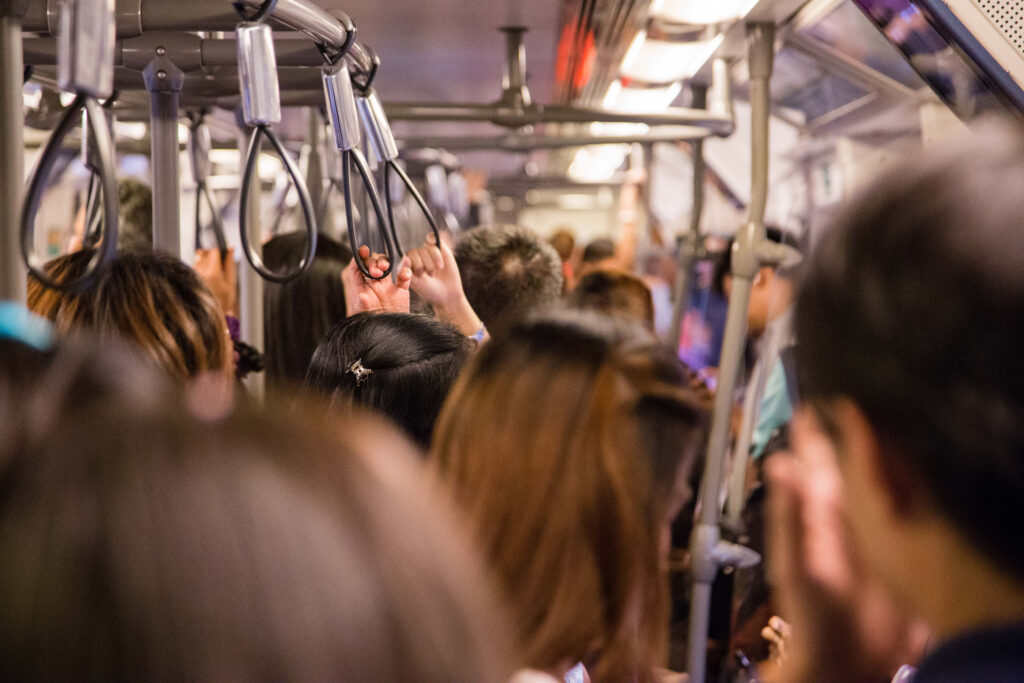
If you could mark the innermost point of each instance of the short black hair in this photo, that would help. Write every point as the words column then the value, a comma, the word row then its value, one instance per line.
column 723, row 261
column 299, row 313
column 913, row 307
column 599, row 250
column 507, row 270
column 410, row 362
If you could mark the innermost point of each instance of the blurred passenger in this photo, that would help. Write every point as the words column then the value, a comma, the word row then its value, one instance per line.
column 507, row 270
column 564, row 243
column 770, row 322
column 616, row 293
column 141, row 542
column 568, row 443
column 905, row 497
column 298, row 314
column 398, row 364
column 135, row 218
column 599, row 253
column 152, row 300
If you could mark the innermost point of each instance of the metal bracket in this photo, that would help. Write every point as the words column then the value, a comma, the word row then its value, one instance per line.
column 163, row 75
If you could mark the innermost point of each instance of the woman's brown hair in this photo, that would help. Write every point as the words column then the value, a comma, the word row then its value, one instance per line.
column 563, row 442
column 150, row 299
column 146, row 537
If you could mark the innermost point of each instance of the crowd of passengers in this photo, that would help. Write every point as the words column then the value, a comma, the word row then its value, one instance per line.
column 485, row 467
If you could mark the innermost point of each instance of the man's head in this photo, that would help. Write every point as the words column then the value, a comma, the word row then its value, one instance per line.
column 910, row 321
column 506, row 270
column 772, row 289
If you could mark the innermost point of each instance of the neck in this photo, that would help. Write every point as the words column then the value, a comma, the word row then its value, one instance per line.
column 965, row 591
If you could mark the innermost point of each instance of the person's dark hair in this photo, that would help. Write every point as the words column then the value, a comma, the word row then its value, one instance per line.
column 599, row 250
column 135, row 219
column 913, row 307
column 566, row 442
column 399, row 364
column 723, row 262
column 141, row 542
column 613, row 292
column 150, row 299
column 299, row 313
column 507, row 270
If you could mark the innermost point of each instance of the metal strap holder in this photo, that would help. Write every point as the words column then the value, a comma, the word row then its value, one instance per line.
column 343, row 115
column 85, row 66
column 261, row 107
column 382, row 140
column 200, row 145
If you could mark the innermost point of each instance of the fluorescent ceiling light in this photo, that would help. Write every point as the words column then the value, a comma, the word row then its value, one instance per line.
column 702, row 11
column 596, row 163
column 640, row 100
column 662, row 61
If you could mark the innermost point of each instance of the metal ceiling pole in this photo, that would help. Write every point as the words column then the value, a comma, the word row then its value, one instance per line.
column 164, row 81
column 12, row 150
column 689, row 244
column 250, row 284
column 708, row 552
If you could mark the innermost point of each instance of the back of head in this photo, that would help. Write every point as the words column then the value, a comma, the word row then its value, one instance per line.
column 135, row 220
column 913, row 307
column 599, row 250
column 141, row 543
column 151, row 300
column 299, row 313
column 399, row 364
column 563, row 243
column 723, row 264
column 507, row 270
column 613, row 292
column 564, row 442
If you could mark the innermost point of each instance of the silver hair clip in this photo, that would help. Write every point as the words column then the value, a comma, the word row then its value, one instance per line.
column 361, row 372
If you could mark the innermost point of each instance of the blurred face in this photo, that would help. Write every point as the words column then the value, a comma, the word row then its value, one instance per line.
column 760, row 300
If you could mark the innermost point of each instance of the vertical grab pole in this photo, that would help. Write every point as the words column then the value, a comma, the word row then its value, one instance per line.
column 12, row 150
column 250, row 285
column 706, row 548
column 164, row 81
column 690, row 242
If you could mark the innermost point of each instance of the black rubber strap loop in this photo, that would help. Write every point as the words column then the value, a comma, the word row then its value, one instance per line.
column 369, row 77
column 333, row 56
column 356, row 157
column 392, row 165
column 265, row 10
column 308, row 210
column 203, row 191
column 93, row 213
column 99, row 134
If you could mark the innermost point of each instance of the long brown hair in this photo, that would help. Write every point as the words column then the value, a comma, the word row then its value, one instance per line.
column 563, row 442
column 153, row 300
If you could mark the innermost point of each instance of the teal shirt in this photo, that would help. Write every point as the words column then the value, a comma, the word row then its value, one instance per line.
column 775, row 409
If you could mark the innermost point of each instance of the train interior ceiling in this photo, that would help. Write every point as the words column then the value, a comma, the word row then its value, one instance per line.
column 844, row 100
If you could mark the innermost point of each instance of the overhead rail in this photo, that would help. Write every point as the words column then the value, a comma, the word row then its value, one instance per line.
column 84, row 68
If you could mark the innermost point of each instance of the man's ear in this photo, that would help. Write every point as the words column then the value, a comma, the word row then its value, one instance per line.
column 872, row 460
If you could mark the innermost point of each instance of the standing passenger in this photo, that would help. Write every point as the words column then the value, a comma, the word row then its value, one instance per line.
column 911, row 476
column 568, row 443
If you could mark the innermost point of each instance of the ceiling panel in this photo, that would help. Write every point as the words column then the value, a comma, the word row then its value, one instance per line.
column 451, row 50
